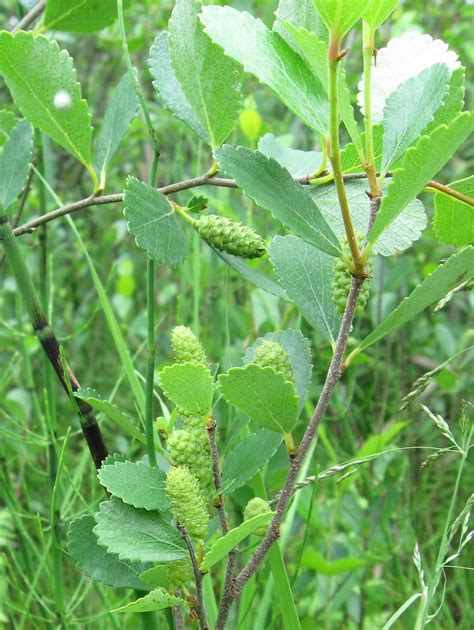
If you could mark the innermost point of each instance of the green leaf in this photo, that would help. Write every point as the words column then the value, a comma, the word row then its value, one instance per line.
column 151, row 219
column 409, row 109
column 136, row 484
column 15, row 162
column 376, row 443
column 120, row 112
column 301, row 13
column 273, row 188
column 7, row 121
column 112, row 412
column 350, row 159
column 208, row 79
column 248, row 457
column 314, row 51
column 189, row 386
column 221, row 547
column 95, row 562
column 252, row 275
column 454, row 219
column 296, row 162
column 399, row 235
column 169, row 91
column 79, row 16
column 315, row 561
column 420, row 163
column 262, row 394
column 298, row 349
column 453, row 102
column 456, row 270
column 306, row 274
column 268, row 57
column 378, row 12
column 341, row 15
column 36, row 71
column 155, row 600
column 137, row 535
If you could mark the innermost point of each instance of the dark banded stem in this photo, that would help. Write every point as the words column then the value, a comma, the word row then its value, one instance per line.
column 48, row 340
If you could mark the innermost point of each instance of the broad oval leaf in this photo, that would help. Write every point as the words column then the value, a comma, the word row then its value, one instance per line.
column 301, row 13
column 272, row 187
column 79, row 16
column 189, row 386
column 454, row 219
column 456, row 270
column 221, row 547
column 420, row 163
column 306, row 274
column 296, row 162
column 262, row 394
column 137, row 535
column 96, row 563
column 155, row 600
column 37, row 72
column 152, row 220
column 168, row 88
column 268, row 57
column 15, row 161
column 136, row 484
column 409, row 109
column 252, row 275
column 208, row 78
column 341, row 15
column 379, row 11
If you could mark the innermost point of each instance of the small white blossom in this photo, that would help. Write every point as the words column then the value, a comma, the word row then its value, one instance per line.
column 403, row 58
column 62, row 100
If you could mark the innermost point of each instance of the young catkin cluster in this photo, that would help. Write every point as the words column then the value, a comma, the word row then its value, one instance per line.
column 230, row 236
column 186, row 450
column 178, row 572
column 187, row 502
column 272, row 354
column 341, row 279
column 186, row 347
column 255, row 507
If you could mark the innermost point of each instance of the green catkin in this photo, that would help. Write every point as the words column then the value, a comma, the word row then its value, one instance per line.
column 186, row 347
column 255, row 507
column 230, row 236
column 187, row 501
column 342, row 278
column 197, row 427
column 178, row 572
column 185, row 450
column 272, row 354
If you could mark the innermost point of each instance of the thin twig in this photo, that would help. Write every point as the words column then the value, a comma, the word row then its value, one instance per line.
column 200, row 608
column 30, row 17
column 220, row 506
column 178, row 613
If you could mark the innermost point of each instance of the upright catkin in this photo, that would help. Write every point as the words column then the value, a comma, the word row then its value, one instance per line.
column 187, row 501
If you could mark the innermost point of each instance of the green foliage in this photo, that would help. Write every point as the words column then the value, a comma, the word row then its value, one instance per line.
column 187, row 501
column 420, row 163
column 137, row 535
column 273, row 188
column 37, row 72
column 151, row 219
column 79, row 16
column 263, row 394
column 303, row 14
column 15, row 161
column 136, row 484
column 341, row 15
column 315, row 561
column 409, row 109
column 454, row 220
column 453, row 102
column 208, row 79
column 296, row 162
column 189, row 386
column 7, row 121
column 248, row 457
column 231, row 237
column 257, row 507
column 120, row 112
column 306, row 274
column 186, row 347
column 95, row 562
column 155, row 600
column 378, row 12
column 265, row 54
column 169, row 574
column 456, row 270
column 221, row 547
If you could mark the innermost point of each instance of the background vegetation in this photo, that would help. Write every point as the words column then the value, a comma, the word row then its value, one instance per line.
column 374, row 517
